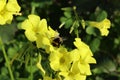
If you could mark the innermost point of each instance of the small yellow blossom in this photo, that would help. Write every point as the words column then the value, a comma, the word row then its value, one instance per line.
column 82, row 57
column 60, row 59
column 103, row 26
column 72, row 76
column 7, row 10
column 33, row 26
column 36, row 30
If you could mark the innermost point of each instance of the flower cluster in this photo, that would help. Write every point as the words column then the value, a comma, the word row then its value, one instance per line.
column 80, row 58
column 7, row 10
column 67, row 65
column 72, row 65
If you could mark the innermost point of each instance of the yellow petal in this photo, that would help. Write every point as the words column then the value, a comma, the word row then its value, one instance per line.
column 2, row 4
column 90, row 59
column 72, row 76
column 34, row 20
column 104, row 32
column 8, row 17
column 26, row 25
column 79, row 44
column 75, row 68
column 46, row 41
column 80, row 77
column 49, row 48
column 39, row 41
column 75, row 55
column 83, row 48
column 84, row 68
column 30, row 35
column 54, row 60
column 13, row 6
column 52, row 33
column 106, row 23
column 43, row 42
column 43, row 26
column 2, row 20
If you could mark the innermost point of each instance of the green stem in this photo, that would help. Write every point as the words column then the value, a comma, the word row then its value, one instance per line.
column 31, row 71
column 77, row 33
column 7, row 60
column 77, row 20
column 33, row 10
column 75, row 12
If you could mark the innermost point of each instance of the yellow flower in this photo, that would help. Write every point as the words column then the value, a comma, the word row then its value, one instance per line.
column 82, row 57
column 7, row 10
column 72, row 76
column 36, row 30
column 103, row 26
column 33, row 26
column 60, row 59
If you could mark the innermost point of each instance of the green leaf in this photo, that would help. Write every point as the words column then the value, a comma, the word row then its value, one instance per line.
column 92, row 31
column 32, row 69
column 107, row 66
column 63, row 19
column 4, row 77
column 11, row 52
column 4, row 71
column 7, row 32
column 99, row 78
column 67, row 22
column 67, row 14
column 101, row 16
column 94, row 45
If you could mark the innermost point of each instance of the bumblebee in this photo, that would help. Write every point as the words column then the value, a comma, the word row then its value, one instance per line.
column 57, row 41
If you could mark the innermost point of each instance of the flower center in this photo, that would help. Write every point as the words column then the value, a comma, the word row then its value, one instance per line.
column 62, row 60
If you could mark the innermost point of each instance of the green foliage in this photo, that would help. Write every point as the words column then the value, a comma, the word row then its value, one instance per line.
column 99, row 15
column 7, row 32
column 67, row 18
column 92, row 31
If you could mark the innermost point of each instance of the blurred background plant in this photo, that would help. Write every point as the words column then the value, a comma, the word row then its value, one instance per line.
column 68, row 17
